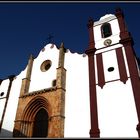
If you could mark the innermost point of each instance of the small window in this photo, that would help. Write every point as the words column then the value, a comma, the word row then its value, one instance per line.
column 2, row 93
column 45, row 65
column 106, row 30
column 110, row 69
column 54, row 83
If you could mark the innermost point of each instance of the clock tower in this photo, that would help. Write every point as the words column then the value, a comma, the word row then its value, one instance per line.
column 113, row 78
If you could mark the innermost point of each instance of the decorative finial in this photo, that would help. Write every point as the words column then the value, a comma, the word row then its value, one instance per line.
column 90, row 22
column 118, row 11
column 31, row 56
column 62, row 45
column 1, row 81
column 11, row 77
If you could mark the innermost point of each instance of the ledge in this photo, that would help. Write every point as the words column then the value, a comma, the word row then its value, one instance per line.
column 38, row 92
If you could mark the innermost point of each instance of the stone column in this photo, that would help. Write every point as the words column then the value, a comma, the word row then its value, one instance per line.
column 58, row 115
column 26, row 81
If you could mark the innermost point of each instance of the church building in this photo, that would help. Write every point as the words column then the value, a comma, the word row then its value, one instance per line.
column 61, row 94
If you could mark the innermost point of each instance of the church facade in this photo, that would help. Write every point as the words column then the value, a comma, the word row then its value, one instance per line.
column 64, row 94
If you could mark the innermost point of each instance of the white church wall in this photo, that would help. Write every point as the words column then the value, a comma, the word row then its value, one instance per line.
column 3, row 93
column 116, row 110
column 77, row 109
column 4, row 87
column 96, row 71
column 110, row 60
column 10, row 114
column 2, row 103
column 39, row 79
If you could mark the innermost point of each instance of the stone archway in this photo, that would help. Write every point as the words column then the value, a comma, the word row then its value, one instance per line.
column 35, row 113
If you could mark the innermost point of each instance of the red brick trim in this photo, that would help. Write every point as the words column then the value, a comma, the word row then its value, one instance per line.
column 94, row 131
column 91, row 33
column 120, row 16
column 121, row 65
column 112, row 81
column 127, row 42
column 1, row 81
column 134, row 78
column 100, row 70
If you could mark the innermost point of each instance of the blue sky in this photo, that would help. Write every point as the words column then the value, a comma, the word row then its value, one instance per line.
column 24, row 28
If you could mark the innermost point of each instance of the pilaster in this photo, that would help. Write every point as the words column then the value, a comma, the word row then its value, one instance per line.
column 128, row 43
column 26, row 81
column 94, row 131
column 58, row 116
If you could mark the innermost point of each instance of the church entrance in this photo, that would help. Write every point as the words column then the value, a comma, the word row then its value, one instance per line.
column 40, row 128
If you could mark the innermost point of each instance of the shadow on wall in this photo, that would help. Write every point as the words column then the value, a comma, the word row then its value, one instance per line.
column 17, row 133
column 8, row 134
column 5, row 134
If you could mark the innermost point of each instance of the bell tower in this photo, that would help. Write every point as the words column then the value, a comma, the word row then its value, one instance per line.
column 113, row 78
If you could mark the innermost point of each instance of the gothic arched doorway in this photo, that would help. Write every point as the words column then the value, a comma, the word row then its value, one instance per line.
column 35, row 119
column 40, row 127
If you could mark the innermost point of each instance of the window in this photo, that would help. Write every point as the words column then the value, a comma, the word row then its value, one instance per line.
column 110, row 69
column 106, row 30
column 54, row 83
column 45, row 65
column 2, row 93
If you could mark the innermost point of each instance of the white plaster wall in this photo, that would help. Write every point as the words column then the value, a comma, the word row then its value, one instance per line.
column 3, row 88
column 116, row 110
column 96, row 71
column 39, row 79
column 126, row 63
column 110, row 60
column 10, row 114
column 2, row 103
column 99, row 41
column 77, row 109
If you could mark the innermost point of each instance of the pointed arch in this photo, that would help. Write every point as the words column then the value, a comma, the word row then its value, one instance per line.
column 33, row 106
column 30, row 113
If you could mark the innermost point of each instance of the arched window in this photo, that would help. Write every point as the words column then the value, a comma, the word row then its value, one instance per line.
column 106, row 30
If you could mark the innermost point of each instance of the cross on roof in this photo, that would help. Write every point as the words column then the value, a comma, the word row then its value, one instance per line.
column 50, row 38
